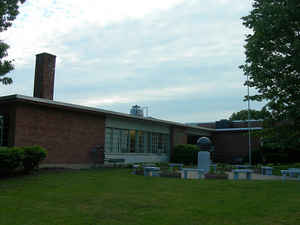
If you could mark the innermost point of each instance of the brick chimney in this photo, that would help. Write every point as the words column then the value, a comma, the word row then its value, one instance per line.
column 44, row 76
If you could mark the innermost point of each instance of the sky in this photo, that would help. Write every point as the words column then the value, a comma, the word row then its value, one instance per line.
column 179, row 58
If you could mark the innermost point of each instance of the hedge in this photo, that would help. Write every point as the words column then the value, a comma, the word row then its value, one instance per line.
column 186, row 153
column 10, row 159
column 32, row 157
column 25, row 158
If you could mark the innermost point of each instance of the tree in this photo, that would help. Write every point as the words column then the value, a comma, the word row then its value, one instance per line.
column 255, row 114
column 273, row 66
column 9, row 9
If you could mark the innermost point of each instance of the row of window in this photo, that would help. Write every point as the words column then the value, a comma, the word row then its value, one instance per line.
column 125, row 141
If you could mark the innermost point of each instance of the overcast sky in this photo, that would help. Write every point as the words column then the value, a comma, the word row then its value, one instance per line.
column 179, row 58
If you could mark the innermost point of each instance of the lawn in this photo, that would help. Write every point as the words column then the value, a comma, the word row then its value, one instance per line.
column 114, row 196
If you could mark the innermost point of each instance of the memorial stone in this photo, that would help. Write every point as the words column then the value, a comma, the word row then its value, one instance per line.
column 204, row 156
column 204, row 161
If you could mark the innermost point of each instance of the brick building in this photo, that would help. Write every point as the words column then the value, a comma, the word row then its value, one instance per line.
column 231, row 139
column 69, row 132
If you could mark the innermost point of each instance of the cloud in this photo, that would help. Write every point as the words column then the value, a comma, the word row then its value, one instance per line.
column 112, row 54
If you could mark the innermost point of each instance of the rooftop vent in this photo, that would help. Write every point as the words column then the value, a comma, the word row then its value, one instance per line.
column 137, row 111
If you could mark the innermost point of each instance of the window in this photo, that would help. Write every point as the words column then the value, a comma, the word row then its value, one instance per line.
column 154, row 142
column 159, row 143
column 125, row 141
column 165, row 143
column 132, row 140
column 140, row 141
column 116, row 140
column 108, row 140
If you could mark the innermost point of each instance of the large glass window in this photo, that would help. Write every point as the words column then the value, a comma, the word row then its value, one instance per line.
column 159, row 143
column 116, row 140
column 125, row 141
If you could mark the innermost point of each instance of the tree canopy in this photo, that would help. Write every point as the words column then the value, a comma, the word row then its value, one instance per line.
column 272, row 61
column 9, row 9
column 255, row 114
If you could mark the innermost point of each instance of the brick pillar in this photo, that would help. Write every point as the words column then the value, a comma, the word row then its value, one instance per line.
column 44, row 76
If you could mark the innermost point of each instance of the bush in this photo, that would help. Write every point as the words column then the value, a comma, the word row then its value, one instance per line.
column 186, row 154
column 28, row 157
column 10, row 159
column 33, row 155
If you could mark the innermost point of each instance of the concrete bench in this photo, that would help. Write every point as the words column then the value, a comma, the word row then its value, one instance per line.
column 151, row 170
column 186, row 170
column 266, row 170
column 291, row 172
column 237, row 171
column 294, row 172
column 179, row 165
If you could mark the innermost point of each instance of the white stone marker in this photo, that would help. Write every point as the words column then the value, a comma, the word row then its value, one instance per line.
column 204, row 161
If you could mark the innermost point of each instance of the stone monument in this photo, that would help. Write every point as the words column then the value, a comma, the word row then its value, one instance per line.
column 204, row 155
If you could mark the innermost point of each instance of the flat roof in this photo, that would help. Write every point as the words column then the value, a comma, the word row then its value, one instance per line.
column 42, row 101
column 239, row 129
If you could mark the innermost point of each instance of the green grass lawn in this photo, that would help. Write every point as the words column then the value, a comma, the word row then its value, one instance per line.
column 114, row 196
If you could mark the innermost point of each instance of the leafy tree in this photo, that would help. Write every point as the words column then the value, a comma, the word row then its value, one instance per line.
column 273, row 66
column 9, row 9
column 255, row 114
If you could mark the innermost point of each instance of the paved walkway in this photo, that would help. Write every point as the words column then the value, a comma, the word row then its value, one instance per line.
column 256, row 176
column 242, row 176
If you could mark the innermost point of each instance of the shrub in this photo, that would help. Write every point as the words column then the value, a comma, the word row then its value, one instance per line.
column 10, row 159
column 33, row 155
column 186, row 154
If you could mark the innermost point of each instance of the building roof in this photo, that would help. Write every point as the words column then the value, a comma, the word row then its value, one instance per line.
column 239, row 129
column 56, row 104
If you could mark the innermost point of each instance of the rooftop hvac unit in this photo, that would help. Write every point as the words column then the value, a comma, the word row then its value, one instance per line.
column 137, row 111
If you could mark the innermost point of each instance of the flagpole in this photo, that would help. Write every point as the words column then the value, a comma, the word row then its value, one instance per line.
column 249, row 130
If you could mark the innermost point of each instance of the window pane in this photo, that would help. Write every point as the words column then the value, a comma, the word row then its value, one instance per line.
column 132, row 140
column 116, row 141
column 141, row 142
column 108, row 140
column 154, row 144
column 165, row 143
column 124, row 141
column 160, row 143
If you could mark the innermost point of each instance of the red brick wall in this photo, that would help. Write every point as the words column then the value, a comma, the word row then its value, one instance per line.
column 230, row 144
column 67, row 135
column 178, row 136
